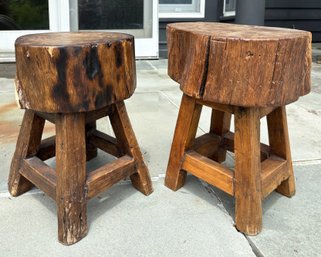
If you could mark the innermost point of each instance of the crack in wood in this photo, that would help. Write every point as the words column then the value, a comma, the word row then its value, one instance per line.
column 204, row 78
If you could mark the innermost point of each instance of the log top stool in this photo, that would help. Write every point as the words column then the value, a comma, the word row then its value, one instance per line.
column 72, row 80
column 250, row 72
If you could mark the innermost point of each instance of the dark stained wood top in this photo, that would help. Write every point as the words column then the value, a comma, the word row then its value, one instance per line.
column 64, row 39
column 239, row 64
column 74, row 72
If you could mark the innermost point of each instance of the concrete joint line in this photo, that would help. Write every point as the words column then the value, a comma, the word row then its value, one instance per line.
column 254, row 248
column 164, row 94
column 210, row 190
column 307, row 162
column 154, row 68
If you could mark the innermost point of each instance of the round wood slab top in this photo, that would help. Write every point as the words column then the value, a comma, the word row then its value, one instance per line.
column 235, row 31
column 242, row 65
column 74, row 72
column 56, row 39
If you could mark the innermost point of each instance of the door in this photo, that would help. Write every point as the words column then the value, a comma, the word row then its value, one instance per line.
column 136, row 17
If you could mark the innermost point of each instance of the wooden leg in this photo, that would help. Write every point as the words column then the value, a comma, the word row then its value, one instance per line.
column 91, row 150
column 27, row 146
column 220, row 124
column 71, row 177
column 125, row 136
column 248, row 202
column 185, row 131
column 280, row 146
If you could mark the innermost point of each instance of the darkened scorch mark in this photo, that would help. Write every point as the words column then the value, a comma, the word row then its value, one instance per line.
column 60, row 93
column 119, row 54
column 91, row 63
column 105, row 97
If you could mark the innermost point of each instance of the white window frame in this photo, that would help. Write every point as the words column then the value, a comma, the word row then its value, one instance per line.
column 227, row 13
column 165, row 10
column 57, row 22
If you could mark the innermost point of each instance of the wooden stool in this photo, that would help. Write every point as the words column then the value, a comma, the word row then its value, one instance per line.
column 71, row 80
column 248, row 71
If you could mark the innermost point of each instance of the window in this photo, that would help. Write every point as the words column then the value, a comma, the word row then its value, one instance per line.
column 116, row 14
column 24, row 15
column 229, row 7
column 21, row 17
column 129, row 16
column 181, row 8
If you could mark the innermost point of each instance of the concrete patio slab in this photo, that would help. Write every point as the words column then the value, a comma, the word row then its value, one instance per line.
column 123, row 222
column 191, row 222
column 291, row 226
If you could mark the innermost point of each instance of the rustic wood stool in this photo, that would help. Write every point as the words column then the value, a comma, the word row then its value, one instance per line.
column 71, row 80
column 248, row 71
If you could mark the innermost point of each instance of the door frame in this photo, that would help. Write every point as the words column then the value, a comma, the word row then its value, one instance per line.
column 59, row 20
column 148, row 47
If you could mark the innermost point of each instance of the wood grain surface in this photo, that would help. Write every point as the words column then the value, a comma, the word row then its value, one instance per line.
column 248, row 199
column 280, row 146
column 74, row 72
column 27, row 146
column 184, row 137
column 128, row 144
column 71, row 177
column 240, row 65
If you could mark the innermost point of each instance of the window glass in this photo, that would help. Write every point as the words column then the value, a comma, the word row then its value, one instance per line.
column 24, row 15
column 175, row 1
column 179, row 6
column 128, row 16
column 229, row 6
column 111, row 14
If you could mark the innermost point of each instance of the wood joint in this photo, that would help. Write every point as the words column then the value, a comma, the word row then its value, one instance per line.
column 97, row 114
column 228, row 144
column 40, row 174
column 210, row 171
column 51, row 117
column 47, row 148
column 265, row 111
column 207, row 144
column 274, row 171
column 104, row 142
column 220, row 107
column 104, row 177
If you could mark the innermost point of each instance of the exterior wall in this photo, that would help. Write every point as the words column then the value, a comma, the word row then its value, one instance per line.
column 299, row 14
column 212, row 13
